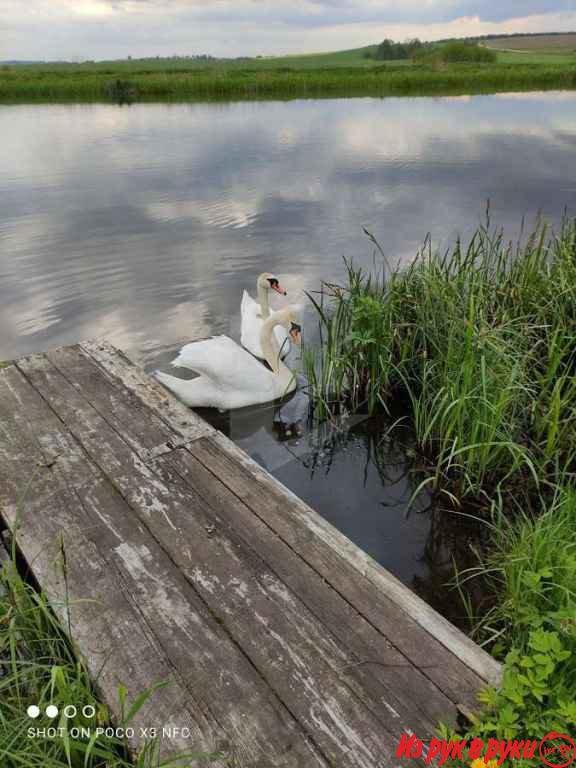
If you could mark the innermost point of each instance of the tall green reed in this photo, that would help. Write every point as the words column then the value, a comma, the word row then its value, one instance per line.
column 477, row 341
column 83, row 83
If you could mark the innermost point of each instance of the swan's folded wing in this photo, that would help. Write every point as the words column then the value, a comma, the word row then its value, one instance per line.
column 251, row 325
column 220, row 359
column 248, row 306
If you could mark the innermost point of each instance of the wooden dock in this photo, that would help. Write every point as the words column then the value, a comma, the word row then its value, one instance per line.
column 172, row 556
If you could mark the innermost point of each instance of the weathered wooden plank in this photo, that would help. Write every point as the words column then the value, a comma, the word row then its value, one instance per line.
column 411, row 701
column 132, row 419
column 414, row 700
column 42, row 512
column 125, row 374
column 456, row 664
column 219, row 681
column 284, row 641
column 454, row 640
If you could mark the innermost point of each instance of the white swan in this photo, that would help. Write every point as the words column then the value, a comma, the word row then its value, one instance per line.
column 254, row 313
column 230, row 377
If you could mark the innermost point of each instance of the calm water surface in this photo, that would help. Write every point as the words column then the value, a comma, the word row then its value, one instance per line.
column 142, row 224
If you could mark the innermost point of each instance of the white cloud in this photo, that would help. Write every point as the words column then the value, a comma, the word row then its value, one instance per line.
column 56, row 29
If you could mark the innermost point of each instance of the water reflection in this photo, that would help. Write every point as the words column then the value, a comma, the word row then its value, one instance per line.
column 144, row 223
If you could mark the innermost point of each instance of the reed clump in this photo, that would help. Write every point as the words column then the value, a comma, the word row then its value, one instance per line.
column 478, row 343
column 121, row 91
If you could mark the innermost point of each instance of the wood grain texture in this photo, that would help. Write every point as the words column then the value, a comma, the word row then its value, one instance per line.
column 43, row 509
column 170, row 555
column 125, row 375
column 233, row 709
column 302, row 526
column 407, row 698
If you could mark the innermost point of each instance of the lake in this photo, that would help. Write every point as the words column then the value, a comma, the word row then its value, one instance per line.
column 142, row 224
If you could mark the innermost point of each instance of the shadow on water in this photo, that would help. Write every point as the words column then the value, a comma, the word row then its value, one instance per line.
column 361, row 475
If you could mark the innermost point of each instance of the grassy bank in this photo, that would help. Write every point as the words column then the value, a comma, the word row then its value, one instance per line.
column 479, row 345
column 39, row 666
column 69, row 83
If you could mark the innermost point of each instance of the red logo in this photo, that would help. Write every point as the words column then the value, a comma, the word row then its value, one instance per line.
column 557, row 750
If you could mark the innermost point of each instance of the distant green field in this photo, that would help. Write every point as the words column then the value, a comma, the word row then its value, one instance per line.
column 537, row 50
column 343, row 73
column 529, row 57
column 544, row 44
column 357, row 57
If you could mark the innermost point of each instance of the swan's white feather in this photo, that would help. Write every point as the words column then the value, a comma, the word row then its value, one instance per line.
column 251, row 326
column 217, row 358
column 230, row 376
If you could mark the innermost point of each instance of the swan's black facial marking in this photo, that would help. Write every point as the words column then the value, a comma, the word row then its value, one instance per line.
column 275, row 285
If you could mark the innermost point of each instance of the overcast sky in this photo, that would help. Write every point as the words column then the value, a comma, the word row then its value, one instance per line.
column 99, row 29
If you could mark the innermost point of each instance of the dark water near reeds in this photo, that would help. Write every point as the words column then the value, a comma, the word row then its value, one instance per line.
column 142, row 224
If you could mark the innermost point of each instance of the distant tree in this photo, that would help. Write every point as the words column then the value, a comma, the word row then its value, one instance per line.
column 388, row 50
column 459, row 51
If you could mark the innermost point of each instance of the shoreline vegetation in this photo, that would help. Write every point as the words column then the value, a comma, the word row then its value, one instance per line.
column 388, row 69
column 479, row 346
column 29, row 86
column 412, row 68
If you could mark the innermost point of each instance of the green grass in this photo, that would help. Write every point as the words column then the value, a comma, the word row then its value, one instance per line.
column 531, row 572
column 315, row 76
column 535, row 49
column 38, row 665
column 535, row 58
column 479, row 342
column 532, row 566
column 357, row 57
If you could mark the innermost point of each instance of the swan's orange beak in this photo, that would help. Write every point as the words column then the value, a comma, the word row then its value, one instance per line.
column 278, row 288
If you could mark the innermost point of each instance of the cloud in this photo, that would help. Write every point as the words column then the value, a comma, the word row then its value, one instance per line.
column 57, row 29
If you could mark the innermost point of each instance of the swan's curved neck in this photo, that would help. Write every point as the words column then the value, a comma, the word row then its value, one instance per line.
column 271, row 350
column 263, row 301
